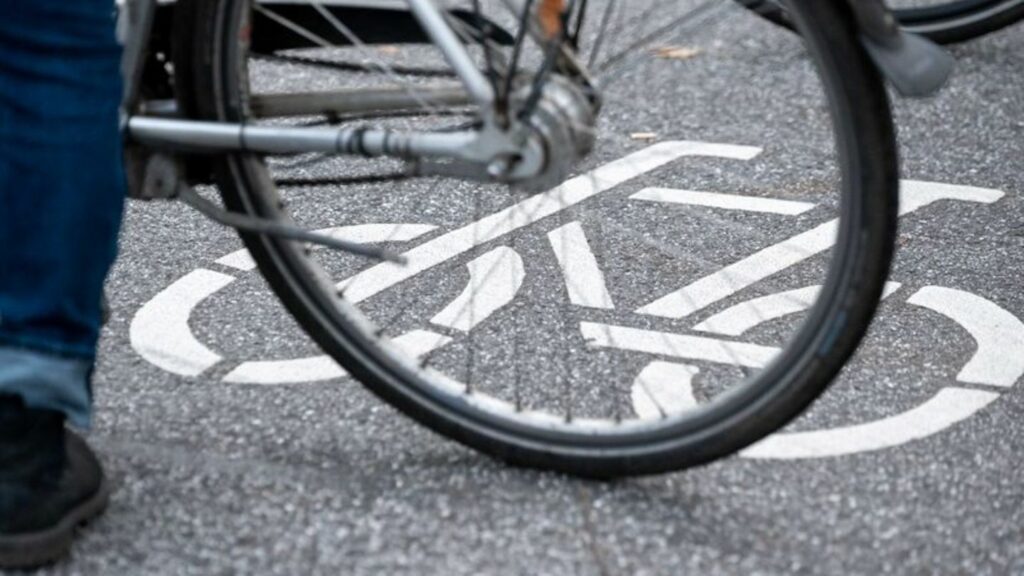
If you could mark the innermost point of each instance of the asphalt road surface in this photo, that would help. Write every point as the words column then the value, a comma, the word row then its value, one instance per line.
column 909, row 465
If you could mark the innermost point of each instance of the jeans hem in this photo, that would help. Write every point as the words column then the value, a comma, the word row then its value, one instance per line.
column 48, row 382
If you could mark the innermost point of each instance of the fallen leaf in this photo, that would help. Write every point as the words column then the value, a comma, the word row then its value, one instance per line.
column 643, row 136
column 676, row 52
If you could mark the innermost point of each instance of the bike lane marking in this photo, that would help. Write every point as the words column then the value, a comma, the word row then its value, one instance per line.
column 453, row 244
column 948, row 407
column 187, row 356
column 160, row 333
column 738, row 319
column 677, row 345
column 725, row 201
column 416, row 343
column 998, row 333
column 999, row 360
column 487, row 291
column 583, row 277
column 662, row 389
column 769, row 261
column 530, row 211
column 494, row 280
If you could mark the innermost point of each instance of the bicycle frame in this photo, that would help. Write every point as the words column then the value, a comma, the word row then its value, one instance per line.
column 915, row 66
column 176, row 134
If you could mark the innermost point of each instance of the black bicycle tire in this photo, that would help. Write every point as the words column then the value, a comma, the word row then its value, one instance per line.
column 952, row 23
column 861, row 110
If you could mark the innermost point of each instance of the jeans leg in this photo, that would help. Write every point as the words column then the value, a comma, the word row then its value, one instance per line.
column 45, row 381
column 61, row 193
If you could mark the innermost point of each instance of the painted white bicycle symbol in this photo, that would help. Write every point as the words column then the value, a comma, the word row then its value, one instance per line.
column 160, row 331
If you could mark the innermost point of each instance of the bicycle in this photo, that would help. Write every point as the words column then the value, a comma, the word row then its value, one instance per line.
column 247, row 91
column 942, row 21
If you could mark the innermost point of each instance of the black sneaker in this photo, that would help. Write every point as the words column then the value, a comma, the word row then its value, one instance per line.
column 50, row 483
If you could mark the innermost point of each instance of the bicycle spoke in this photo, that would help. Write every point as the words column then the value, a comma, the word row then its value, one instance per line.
column 681, row 25
column 606, row 20
column 377, row 62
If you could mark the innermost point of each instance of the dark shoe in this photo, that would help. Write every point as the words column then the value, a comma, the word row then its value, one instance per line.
column 50, row 483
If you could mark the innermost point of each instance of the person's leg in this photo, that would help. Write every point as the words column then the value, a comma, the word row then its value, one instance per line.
column 61, row 197
column 61, row 194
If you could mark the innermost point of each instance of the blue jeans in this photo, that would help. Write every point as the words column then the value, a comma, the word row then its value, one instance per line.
column 61, row 195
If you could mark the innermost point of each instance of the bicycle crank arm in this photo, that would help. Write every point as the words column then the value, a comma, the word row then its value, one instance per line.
column 915, row 66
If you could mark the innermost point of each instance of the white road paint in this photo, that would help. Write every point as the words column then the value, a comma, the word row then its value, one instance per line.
column 724, row 201
column 999, row 360
column 769, row 261
column 746, row 272
column 916, row 194
column 319, row 368
column 948, row 407
column 183, row 354
column 736, row 320
column 531, row 210
column 160, row 332
column 677, row 345
column 663, row 389
column 359, row 233
column 239, row 260
column 272, row 372
column 494, row 280
column 583, row 277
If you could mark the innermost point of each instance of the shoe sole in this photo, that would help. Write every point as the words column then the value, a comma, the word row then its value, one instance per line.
column 37, row 549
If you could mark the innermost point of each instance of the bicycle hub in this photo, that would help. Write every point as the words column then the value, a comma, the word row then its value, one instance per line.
column 564, row 122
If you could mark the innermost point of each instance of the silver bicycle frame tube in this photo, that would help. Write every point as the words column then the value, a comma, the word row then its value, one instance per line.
column 196, row 136
column 433, row 22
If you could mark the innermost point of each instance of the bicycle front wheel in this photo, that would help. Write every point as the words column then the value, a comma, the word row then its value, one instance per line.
column 693, row 287
column 942, row 21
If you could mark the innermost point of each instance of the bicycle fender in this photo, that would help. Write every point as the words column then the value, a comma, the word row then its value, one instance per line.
column 914, row 65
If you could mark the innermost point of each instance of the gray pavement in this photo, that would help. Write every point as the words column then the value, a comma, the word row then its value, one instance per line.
column 322, row 478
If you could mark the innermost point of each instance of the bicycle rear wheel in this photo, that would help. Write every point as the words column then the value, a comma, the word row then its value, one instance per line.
column 942, row 21
column 550, row 330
